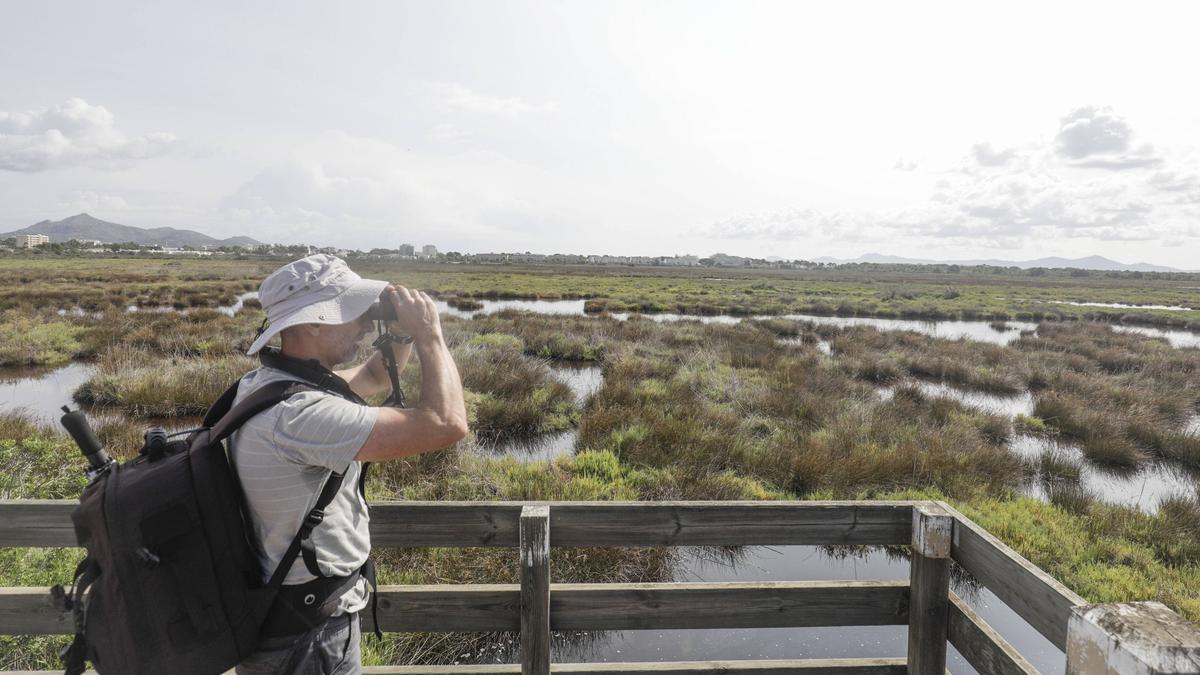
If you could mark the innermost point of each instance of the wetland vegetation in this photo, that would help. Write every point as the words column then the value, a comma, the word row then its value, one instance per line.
column 762, row 408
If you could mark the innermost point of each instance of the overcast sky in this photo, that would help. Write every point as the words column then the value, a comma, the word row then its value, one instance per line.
column 791, row 129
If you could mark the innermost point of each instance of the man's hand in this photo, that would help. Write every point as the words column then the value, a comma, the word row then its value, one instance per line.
column 440, row 418
column 416, row 315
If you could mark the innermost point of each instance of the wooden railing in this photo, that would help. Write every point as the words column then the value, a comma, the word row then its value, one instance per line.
column 1132, row 637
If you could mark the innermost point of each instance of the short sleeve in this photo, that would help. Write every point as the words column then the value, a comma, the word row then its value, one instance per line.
column 320, row 429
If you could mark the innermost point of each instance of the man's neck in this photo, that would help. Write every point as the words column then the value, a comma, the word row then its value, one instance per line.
column 310, row 370
column 304, row 353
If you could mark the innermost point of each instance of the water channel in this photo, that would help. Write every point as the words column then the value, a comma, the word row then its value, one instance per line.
column 1143, row 488
column 1120, row 305
column 41, row 392
column 983, row 331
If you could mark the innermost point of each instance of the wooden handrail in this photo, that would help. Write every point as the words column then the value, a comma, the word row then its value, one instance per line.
column 934, row 530
column 1034, row 595
column 626, row 524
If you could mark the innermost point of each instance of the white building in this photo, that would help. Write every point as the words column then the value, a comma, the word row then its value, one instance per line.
column 681, row 261
column 428, row 251
column 31, row 240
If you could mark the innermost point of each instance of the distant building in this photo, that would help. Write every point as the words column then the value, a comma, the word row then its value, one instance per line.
column 407, row 250
column 428, row 250
column 31, row 240
column 527, row 257
column 680, row 261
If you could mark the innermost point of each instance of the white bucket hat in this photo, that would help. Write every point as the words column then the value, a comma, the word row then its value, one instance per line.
column 318, row 289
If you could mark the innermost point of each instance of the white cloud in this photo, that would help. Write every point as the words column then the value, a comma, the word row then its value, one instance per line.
column 1011, row 197
column 985, row 155
column 365, row 192
column 785, row 224
column 71, row 134
column 905, row 165
column 90, row 200
column 1097, row 138
column 454, row 96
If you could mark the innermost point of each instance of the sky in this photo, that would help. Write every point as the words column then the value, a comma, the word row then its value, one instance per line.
column 791, row 129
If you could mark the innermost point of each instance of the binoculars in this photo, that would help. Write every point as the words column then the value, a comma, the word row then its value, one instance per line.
column 381, row 311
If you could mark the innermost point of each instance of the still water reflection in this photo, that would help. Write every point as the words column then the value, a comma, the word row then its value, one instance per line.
column 40, row 391
column 800, row 563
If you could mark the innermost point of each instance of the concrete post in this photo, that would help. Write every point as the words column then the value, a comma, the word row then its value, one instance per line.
column 1133, row 638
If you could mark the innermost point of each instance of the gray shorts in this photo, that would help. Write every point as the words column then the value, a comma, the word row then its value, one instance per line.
column 329, row 649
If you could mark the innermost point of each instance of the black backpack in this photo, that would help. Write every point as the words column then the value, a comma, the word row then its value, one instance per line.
column 171, row 583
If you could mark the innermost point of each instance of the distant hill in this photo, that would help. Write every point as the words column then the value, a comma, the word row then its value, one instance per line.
column 1094, row 262
column 86, row 228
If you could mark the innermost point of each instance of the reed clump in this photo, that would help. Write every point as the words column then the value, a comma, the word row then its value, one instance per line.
column 36, row 339
column 142, row 384
column 515, row 396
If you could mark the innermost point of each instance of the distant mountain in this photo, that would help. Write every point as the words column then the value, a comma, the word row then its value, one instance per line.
column 1094, row 262
column 86, row 228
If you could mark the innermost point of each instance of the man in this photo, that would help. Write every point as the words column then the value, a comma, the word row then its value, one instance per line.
column 284, row 455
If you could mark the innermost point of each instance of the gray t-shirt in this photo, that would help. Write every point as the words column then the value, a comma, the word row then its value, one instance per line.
column 283, row 456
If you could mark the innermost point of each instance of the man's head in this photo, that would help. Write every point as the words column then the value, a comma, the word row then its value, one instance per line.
column 319, row 305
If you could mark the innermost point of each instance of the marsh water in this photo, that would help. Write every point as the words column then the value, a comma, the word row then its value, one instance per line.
column 1120, row 305
column 1143, row 488
column 800, row 563
column 41, row 391
column 983, row 331
column 1177, row 338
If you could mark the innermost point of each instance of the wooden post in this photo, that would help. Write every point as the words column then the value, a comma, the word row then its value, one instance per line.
column 535, row 590
column 1133, row 638
column 929, row 589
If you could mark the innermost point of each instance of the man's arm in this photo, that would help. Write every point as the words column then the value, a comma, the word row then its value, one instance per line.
column 440, row 419
column 371, row 377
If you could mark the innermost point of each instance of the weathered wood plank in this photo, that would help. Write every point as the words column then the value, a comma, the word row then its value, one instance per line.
column 727, row 605
column 447, row 524
column 441, row 608
column 1034, row 595
column 929, row 581
column 535, row 590
column 496, row 607
column 730, row 523
column 426, row 524
column 28, row 611
column 755, row 667
column 981, row 645
column 36, row 522
column 748, row 667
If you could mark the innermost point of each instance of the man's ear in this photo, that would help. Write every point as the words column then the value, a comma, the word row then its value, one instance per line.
column 300, row 331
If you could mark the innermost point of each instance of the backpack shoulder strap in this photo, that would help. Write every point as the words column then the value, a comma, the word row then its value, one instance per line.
column 259, row 400
column 302, row 543
column 221, row 406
